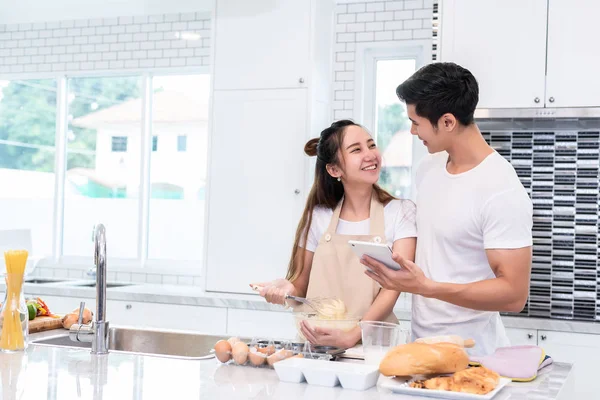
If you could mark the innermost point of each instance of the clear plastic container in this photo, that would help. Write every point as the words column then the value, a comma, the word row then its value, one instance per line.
column 379, row 337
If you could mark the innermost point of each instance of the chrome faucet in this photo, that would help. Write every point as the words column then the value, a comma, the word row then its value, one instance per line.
column 97, row 332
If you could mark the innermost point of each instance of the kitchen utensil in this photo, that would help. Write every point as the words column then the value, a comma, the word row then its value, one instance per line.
column 468, row 343
column 41, row 324
column 321, row 305
column 379, row 337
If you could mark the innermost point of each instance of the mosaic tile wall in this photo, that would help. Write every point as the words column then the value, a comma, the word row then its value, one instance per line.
column 558, row 163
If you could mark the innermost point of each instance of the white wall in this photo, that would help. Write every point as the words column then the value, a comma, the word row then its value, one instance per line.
column 28, row 11
column 368, row 22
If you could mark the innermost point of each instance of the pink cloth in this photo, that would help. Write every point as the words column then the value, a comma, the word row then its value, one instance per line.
column 519, row 363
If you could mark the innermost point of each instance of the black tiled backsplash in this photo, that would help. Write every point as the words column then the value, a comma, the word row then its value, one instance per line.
column 559, row 168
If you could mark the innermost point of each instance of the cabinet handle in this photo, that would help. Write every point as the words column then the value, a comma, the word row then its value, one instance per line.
column 128, row 307
column 543, row 337
column 530, row 335
column 551, row 99
column 301, row 80
column 537, row 99
column 297, row 191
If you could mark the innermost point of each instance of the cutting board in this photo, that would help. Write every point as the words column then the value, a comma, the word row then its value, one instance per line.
column 40, row 324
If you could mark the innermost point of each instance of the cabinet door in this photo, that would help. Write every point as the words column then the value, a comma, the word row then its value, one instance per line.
column 582, row 350
column 209, row 320
column 573, row 55
column 503, row 43
column 256, row 185
column 261, row 324
column 261, row 44
column 520, row 336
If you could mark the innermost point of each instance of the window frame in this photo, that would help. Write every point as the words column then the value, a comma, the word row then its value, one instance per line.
column 367, row 55
column 142, row 263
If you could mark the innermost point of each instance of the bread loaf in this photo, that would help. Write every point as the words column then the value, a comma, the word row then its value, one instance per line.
column 421, row 358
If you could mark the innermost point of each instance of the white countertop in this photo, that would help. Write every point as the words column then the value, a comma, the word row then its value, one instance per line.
column 194, row 295
column 43, row 372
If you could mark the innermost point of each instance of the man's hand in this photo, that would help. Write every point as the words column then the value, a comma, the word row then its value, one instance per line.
column 410, row 278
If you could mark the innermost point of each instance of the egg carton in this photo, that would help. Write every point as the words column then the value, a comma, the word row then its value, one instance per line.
column 330, row 374
column 265, row 353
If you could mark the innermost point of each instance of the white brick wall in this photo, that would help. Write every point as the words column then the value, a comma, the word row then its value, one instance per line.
column 371, row 21
column 109, row 43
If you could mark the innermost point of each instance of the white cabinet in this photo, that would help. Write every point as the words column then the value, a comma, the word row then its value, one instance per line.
column 261, row 324
column 257, row 190
column 525, row 53
column 271, row 94
column 518, row 336
column 262, row 44
column 580, row 349
column 573, row 56
column 503, row 43
column 209, row 320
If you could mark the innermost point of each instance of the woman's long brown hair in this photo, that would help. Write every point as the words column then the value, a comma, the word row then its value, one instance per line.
column 326, row 190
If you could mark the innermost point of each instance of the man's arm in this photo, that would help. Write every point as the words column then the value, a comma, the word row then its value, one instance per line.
column 508, row 291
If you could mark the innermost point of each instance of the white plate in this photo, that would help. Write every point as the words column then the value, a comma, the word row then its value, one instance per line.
column 397, row 385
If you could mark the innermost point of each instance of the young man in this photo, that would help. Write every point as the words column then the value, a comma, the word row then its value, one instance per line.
column 474, row 218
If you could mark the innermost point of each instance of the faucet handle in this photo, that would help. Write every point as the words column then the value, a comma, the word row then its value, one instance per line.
column 81, row 308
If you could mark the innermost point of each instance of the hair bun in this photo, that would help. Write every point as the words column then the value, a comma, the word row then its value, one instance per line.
column 310, row 148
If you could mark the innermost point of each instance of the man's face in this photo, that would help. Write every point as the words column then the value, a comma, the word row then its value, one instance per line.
column 432, row 138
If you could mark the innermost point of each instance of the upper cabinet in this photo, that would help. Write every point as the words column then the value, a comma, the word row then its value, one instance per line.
column 573, row 58
column 262, row 44
column 525, row 53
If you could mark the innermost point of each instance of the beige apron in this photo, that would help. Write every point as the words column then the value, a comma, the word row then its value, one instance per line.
column 336, row 270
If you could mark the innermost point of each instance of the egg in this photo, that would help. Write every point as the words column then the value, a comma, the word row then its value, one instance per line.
column 233, row 340
column 256, row 358
column 267, row 350
column 279, row 355
column 240, row 353
column 223, row 351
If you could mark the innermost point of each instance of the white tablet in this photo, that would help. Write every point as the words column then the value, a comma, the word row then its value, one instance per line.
column 378, row 251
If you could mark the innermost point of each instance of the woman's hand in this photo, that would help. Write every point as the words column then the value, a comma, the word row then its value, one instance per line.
column 330, row 337
column 275, row 291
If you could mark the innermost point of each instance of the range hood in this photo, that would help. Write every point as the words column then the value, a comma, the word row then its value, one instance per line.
column 566, row 112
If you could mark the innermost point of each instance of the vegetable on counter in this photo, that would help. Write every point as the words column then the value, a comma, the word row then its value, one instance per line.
column 73, row 316
column 40, row 307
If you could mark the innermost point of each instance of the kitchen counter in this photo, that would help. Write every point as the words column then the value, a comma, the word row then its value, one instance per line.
column 195, row 296
column 44, row 372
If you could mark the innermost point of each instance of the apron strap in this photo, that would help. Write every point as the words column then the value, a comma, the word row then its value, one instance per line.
column 376, row 220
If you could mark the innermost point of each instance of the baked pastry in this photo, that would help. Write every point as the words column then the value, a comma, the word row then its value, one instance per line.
column 422, row 359
column 477, row 380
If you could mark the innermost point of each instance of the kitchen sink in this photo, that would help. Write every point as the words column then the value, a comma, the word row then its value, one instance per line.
column 108, row 285
column 44, row 280
column 159, row 343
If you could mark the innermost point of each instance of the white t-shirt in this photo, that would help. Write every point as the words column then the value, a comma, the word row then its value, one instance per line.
column 459, row 216
column 398, row 215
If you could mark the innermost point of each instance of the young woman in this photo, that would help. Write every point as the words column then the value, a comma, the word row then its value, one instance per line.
column 345, row 203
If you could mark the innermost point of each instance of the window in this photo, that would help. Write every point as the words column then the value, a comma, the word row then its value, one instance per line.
column 103, row 164
column 380, row 69
column 27, row 156
column 152, row 203
column 392, row 126
column 181, row 143
column 119, row 144
column 177, row 180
